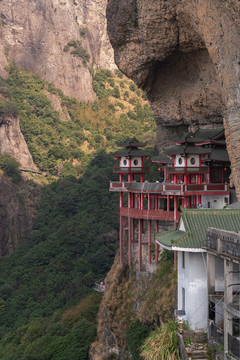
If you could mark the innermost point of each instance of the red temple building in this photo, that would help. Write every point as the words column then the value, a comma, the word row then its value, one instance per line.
column 196, row 175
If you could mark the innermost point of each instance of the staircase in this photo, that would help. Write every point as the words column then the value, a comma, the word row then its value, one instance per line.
column 197, row 351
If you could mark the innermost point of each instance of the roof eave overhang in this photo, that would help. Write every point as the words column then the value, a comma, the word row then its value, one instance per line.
column 193, row 250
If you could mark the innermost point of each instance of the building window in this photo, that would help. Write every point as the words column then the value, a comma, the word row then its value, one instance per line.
column 192, row 160
column 183, row 259
column 125, row 162
column 183, row 299
column 135, row 162
column 180, row 161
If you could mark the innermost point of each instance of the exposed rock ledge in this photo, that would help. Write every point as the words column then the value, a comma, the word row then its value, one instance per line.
column 13, row 143
column 185, row 55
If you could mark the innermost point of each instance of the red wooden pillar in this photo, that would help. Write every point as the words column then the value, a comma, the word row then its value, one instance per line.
column 156, row 244
column 175, row 211
column 175, row 179
column 129, row 241
column 121, row 241
column 199, row 199
column 121, row 200
column 132, row 229
column 186, row 202
column 156, row 202
column 149, row 241
column 149, row 202
column 140, row 244
column 195, row 200
column 168, row 203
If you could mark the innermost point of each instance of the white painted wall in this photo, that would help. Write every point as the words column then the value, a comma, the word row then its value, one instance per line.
column 194, row 280
column 216, row 201
column 123, row 159
column 137, row 160
column 196, row 157
column 177, row 161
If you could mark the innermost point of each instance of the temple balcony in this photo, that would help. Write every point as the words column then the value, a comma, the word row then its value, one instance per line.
column 149, row 214
column 169, row 188
column 187, row 170
column 131, row 170
column 118, row 186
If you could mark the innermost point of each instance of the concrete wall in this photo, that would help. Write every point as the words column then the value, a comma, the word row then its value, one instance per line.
column 216, row 201
column 193, row 278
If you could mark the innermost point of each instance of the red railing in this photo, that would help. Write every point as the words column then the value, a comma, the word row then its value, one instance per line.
column 186, row 170
column 149, row 214
column 118, row 186
column 131, row 170
column 171, row 189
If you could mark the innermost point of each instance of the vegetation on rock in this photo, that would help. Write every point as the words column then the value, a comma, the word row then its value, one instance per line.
column 58, row 128
column 47, row 306
column 10, row 166
column 162, row 344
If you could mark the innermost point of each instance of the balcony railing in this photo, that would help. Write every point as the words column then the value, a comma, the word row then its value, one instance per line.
column 234, row 346
column 206, row 187
column 168, row 188
column 216, row 334
column 149, row 214
column 186, row 170
column 118, row 186
column 223, row 241
column 131, row 170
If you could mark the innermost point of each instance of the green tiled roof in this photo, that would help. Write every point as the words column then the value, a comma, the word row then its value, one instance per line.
column 168, row 238
column 196, row 223
column 219, row 155
column 209, row 133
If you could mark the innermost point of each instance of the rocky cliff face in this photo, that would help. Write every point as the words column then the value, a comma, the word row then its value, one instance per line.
column 34, row 33
column 185, row 55
column 13, row 143
column 129, row 295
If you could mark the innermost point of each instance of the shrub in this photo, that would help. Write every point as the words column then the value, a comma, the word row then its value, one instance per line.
column 162, row 344
column 68, row 170
column 10, row 167
column 83, row 32
column 133, row 87
column 135, row 336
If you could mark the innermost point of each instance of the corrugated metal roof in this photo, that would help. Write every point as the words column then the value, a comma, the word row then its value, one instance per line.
column 196, row 224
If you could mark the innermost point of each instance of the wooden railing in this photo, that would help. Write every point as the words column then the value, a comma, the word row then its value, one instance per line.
column 186, row 170
column 131, row 170
column 149, row 214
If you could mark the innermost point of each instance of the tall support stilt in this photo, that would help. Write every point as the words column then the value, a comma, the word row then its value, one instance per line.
column 175, row 260
column 149, row 241
column 175, row 211
column 121, row 241
column 140, row 244
column 129, row 241
column 156, row 244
